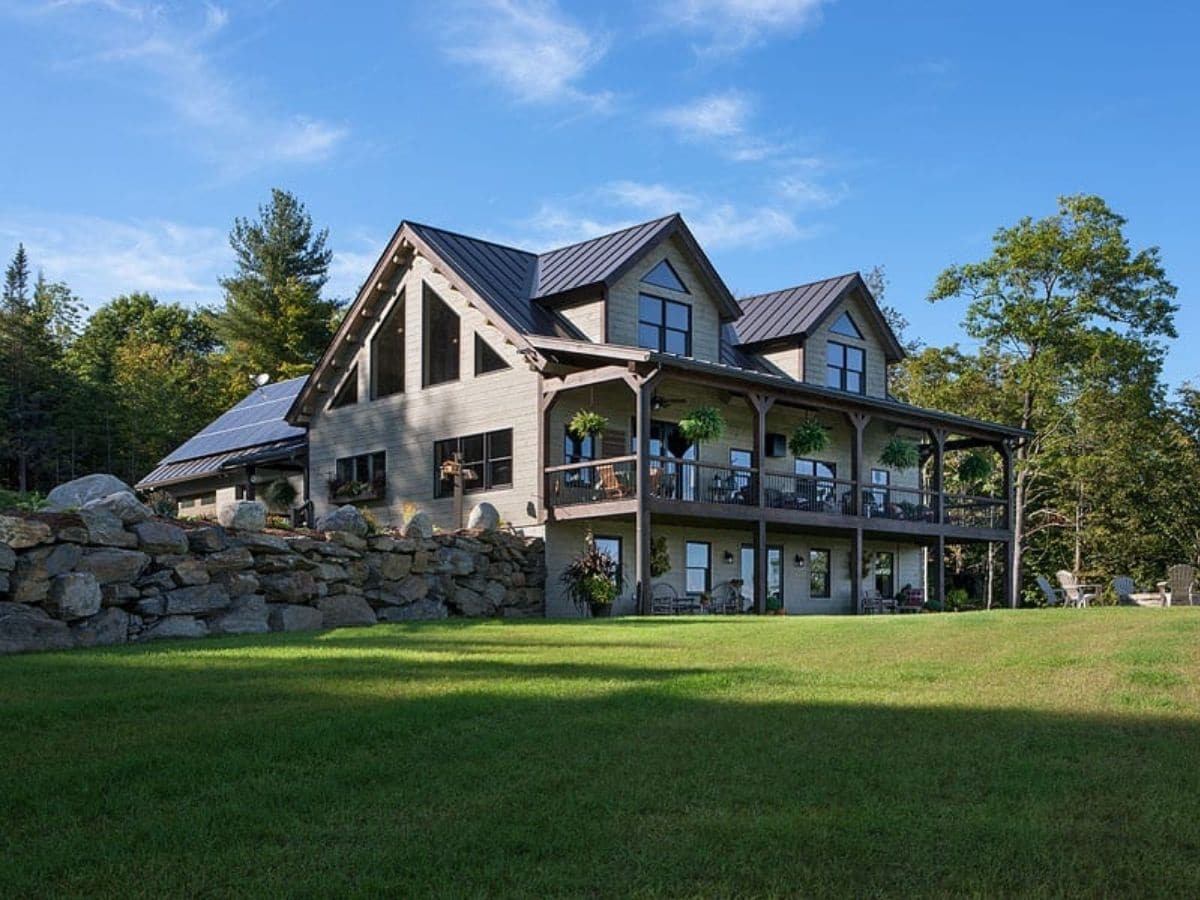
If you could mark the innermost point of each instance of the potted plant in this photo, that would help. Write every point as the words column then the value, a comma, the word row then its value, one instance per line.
column 585, row 424
column 900, row 454
column 809, row 437
column 704, row 423
column 590, row 579
column 974, row 468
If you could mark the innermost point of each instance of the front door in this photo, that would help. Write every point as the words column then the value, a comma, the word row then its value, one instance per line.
column 774, row 575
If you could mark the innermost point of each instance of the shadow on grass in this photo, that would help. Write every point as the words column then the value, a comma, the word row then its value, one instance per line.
column 354, row 774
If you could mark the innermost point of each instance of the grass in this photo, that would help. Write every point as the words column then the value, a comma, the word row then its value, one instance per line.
column 1036, row 752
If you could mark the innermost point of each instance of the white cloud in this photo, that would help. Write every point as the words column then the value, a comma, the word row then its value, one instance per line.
column 530, row 47
column 171, row 55
column 102, row 258
column 808, row 193
column 722, row 120
column 656, row 199
column 733, row 25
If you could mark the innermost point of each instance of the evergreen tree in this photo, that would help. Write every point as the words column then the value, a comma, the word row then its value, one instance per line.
column 274, row 319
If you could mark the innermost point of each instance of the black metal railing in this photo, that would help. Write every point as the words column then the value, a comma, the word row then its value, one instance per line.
column 591, row 482
column 808, row 493
column 698, row 482
column 901, row 504
column 975, row 512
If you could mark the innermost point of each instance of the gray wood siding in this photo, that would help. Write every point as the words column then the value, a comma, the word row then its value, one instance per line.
column 587, row 317
column 623, row 302
column 406, row 425
column 815, row 347
column 788, row 361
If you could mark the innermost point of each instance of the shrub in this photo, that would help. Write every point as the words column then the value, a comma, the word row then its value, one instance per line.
column 957, row 598
column 162, row 503
column 31, row 501
column 660, row 557
column 280, row 493
column 591, row 577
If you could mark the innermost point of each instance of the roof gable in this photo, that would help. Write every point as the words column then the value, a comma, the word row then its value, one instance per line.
column 796, row 312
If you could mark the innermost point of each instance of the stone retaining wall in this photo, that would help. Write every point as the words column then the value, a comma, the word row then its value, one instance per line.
column 113, row 574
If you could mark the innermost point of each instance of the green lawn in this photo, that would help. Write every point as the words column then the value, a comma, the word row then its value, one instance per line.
column 1044, row 752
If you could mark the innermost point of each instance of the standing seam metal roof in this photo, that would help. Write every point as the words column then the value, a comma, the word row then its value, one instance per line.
column 592, row 261
column 792, row 311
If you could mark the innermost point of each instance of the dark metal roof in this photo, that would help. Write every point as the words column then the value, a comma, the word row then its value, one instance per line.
column 790, row 312
column 173, row 473
column 257, row 419
column 595, row 260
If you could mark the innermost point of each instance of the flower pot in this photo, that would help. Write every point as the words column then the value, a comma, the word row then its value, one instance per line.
column 601, row 610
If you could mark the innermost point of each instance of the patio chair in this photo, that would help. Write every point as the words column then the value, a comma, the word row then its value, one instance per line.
column 1124, row 588
column 1178, row 586
column 663, row 599
column 1053, row 595
column 872, row 601
column 911, row 601
column 1076, row 594
column 611, row 485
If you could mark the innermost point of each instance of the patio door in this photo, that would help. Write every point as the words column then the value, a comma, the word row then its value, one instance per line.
column 774, row 574
column 673, row 478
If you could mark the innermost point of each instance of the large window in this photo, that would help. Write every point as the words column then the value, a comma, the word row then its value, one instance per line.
column 486, row 459
column 487, row 359
column 845, row 326
column 440, row 337
column 387, row 353
column 698, row 567
column 366, row 468
column 612, row 546
column 818, row 573
column 347, row 394
column 578, row 450
column 885, row 578
column 664, row 275
column 664, row 325
column 845, row 367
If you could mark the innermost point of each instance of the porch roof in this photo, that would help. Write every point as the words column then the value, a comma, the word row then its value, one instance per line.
column 797, row 391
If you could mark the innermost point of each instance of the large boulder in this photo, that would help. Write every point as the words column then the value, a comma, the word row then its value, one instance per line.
column 199, row 599
column 209, row 539
column 122, row 504
column 484, row 517
column 110, row 626
column 421, row 610
column 20, row 532
column 76, row 494
column 111, row 564
column 25, row 628
column 75, row 595
column 176, row 627
column 30, row 581
column 8, row 558
column 419, row 525
column 243, row 515
column 247, row 615
column 289, row 587
column 290, row 617
column 345, row 609
column 345, row 518
column 105, row 527
column 156, row 536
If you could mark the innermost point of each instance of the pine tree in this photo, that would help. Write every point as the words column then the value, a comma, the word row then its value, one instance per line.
column 274, row 319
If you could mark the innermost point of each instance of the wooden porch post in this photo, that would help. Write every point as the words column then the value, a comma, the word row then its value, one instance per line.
column 856, row 567
column 939, row 570
column 543, row 444
column 1012, row 579
column 858, row 426
column 642, row 395
column 938, row 476
column 761, row 404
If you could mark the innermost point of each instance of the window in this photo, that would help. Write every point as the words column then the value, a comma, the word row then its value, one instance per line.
column 387, row 353
column 440, row 331
column 486, row 459
column 774, row 575
column 698, row 571
column 366, row 468
column 879, row 498
column 664, row 325
column 207, row 499
column 664, row 275
column 612, row 546
column 347, row 394
column 845, row 367
column 578, row 450
column 741, row 461
column 239, row 492
column 818, row 573
column 845, row 326
column 487, row 359
column 815, row 479
column 885, row 581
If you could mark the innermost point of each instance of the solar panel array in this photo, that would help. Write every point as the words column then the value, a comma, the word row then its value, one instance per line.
column 257, row 419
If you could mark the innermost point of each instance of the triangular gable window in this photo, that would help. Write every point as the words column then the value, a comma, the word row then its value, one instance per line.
column 487, row 359
column 347, row 394
column 845, row 326
column 663, row 275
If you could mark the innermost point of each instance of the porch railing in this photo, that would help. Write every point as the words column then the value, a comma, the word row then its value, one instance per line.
column 693, row 481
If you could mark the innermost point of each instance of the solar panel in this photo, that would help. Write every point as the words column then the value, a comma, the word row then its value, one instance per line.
column 257, row 419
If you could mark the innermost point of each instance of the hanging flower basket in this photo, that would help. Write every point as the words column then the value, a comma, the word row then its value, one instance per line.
column 900, row 454
column 810, row 436
column 974, row 468
column 704, row 423
column 585, row 424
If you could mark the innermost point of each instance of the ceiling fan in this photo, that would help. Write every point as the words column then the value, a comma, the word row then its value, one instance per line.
column 657, row 402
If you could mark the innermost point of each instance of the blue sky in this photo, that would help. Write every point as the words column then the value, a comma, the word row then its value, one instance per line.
column 799, row 138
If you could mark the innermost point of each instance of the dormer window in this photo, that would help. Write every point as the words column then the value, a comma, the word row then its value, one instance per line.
column 845, row 326
column 664, row 325
column 664, row 275
column 845, row 368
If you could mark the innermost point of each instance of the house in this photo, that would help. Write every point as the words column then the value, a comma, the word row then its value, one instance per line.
column 459, row 351
column 248, row 447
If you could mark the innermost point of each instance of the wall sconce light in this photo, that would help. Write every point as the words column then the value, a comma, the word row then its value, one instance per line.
column 799, row 561
column 729, row 557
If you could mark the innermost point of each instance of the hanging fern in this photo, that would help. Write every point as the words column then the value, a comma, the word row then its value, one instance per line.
column 704, row 423
column 808, row 437
column 585, row 424
column 974, row 468
column 900, row 454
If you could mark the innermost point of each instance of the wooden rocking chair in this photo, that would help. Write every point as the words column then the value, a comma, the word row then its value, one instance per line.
column 611, row 486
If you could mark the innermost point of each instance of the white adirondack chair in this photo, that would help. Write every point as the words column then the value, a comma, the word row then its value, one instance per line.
column 1178, row 586
column 1072, row 590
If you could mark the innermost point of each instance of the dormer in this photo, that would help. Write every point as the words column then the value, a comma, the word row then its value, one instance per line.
column 828, row 333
